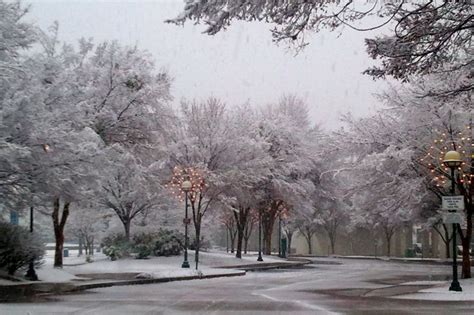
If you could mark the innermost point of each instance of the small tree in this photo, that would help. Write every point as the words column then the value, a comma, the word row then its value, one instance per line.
column 228, row 220
column 307, row 226
column 251, row 222
column 18, row 247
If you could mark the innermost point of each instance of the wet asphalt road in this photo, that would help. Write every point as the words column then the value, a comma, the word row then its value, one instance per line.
column 340, row 287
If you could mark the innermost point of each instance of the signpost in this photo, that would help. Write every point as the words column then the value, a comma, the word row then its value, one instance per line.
column 452, row 218
column 453, row 203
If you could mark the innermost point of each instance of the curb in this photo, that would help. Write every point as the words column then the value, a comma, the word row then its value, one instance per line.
column 270, row 265
column 14, row 292
column 402, row 260
column 88, row 286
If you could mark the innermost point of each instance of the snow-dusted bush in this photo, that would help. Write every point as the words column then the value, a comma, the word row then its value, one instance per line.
column 116, row 246
column 168, row 243
column 18, row 247
column 161, row 243
column 143, row 251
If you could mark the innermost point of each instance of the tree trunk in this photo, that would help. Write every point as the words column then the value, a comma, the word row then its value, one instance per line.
column 90, row 245
column 241, row 220
column 232, row 240
column 197, row 228
column 267, row 234
column 289, row 237
column 247, row 234
column 240, row 238
column 126, row 226
column 308, row 241
column 246, row 243
column 388, row 239
column 466, row 259
column 268, row 220
column 58, row 224
column 445, row 238
column 80, row 246
column 466, row 246
column 332, row 240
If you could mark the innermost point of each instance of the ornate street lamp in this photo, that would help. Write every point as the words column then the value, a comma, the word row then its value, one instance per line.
column 186, row 187
column 31, row 273
column 452, row 159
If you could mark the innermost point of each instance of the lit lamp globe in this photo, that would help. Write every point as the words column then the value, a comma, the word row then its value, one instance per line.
column 452, row 159
column 186, row 185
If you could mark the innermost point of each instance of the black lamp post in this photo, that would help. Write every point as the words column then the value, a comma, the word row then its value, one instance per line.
column 186, row 187
column 452, row 159
column 260, row 236
column 31, row 273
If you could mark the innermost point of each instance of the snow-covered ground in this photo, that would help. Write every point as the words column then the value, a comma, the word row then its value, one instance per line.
column 168, row 266
column 441, row 291
column 154, row 267
column 72, row 259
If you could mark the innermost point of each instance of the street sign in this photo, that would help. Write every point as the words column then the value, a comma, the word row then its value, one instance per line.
column 453, row 203
column 452, row 218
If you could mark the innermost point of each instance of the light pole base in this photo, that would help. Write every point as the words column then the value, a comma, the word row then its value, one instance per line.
column 185, row 264
column 259, row 258
column 31, row 273
column 455, row 286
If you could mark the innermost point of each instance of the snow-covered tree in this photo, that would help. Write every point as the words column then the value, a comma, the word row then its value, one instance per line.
column 249, row 168
column 129, row 188
column 16, row 36
column 426, row 34
column 307, row 226
column 291, row 143
column 228, row 220
column 199, row 148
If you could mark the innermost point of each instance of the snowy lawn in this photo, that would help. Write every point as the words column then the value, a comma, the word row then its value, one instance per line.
column 441, row 291
column 72, row 259
column 156, row 267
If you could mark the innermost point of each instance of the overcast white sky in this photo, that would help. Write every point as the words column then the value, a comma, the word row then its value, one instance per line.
column 239, row 65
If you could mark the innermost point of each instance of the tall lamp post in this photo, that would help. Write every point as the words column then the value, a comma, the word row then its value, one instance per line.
column 452, row 159
column 31, row 273
column 260, row 236
column 186, row 187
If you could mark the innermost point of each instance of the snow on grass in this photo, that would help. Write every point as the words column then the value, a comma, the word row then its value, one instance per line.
column 441, row 292
column 73, row 258
column 182, row 272
column 165, row 265
column 48, row 273
column 155, row 267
